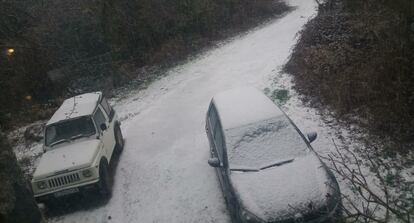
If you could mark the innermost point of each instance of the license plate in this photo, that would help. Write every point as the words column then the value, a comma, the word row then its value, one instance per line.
column 66, row 192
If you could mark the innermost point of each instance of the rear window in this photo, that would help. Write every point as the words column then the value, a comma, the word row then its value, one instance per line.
column 263, row 143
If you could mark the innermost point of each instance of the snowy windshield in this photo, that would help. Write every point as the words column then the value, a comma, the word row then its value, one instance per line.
column 69, row 130
column 256, row 145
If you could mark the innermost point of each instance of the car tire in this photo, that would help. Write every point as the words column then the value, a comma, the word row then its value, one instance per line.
column 104, row 183
column 48, row 203
column 231, row 206
column 338, row 213
column 119, row 140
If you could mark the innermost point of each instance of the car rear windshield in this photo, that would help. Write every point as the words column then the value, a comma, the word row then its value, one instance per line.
column 256, row 145
column 68, row 130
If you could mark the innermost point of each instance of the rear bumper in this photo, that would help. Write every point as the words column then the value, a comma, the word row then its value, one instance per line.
column 85, row 186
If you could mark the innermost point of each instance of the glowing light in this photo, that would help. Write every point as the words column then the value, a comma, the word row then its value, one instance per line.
column 10, row 51
column 28, row 97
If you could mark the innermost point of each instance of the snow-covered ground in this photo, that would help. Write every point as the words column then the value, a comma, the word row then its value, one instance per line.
column 162, row 174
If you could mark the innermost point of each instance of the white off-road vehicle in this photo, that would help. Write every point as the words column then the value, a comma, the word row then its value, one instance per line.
column 79, row 142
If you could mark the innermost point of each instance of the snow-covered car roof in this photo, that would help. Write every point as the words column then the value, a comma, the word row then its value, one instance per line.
column 77, row 106
column 242, row 106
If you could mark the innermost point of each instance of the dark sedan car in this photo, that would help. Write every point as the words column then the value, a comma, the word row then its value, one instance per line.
column 266, row 167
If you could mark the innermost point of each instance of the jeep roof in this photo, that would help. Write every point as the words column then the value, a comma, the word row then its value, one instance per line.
column 242, row 106
column 77, row 106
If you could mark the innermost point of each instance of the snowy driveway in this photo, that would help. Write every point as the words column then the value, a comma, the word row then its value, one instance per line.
column 163, row 175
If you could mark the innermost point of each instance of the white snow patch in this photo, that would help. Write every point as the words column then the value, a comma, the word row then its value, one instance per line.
column 163, row 175
column 241, row 106
column 264, row 143
column 76, row 106
column 72, row 156
column 279, row 193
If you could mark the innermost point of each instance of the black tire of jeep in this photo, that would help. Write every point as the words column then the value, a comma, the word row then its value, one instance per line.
column 119, row 140
column 49, row 203
column 104, row 184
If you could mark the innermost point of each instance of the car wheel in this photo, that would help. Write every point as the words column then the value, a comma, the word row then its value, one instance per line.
column 104, row 183
column 119, row 146
column 231, row 206
column 338, row 213
column 47, row 204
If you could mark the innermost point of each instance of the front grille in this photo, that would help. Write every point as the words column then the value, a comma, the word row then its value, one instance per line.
column 63, row 180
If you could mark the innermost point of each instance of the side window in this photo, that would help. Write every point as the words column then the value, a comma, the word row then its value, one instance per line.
column 108, row 109
column 218, row 140
column 213, row 118
column 216, row 132
column 99, row 119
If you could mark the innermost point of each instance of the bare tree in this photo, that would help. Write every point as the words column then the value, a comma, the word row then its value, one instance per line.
column 382, row 195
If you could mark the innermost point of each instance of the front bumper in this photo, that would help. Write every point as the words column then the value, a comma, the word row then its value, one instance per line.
column 329, row 217
column 84, row 186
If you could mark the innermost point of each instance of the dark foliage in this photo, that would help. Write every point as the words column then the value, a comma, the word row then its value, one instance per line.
column 16, row 200
column 153, row 29
column 357, row 57
column 64, row 47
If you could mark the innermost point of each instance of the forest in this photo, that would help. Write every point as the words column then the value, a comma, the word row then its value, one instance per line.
column 57, row 48
column 357, row 57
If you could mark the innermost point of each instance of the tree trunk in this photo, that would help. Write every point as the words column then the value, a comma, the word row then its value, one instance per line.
column 17, row 204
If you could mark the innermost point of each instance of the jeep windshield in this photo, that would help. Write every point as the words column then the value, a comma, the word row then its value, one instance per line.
column 262, row 145
column 69, row 130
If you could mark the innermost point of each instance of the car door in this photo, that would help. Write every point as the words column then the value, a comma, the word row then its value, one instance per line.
column 231, row 200
column 104, row 135
column 216, row 139
column 223, row 170
column 219, row 150
column 109, row 113
column 213, row 132
column 218, row 146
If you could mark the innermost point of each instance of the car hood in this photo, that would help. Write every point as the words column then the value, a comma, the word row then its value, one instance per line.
column 293, row 190
column 67, row 158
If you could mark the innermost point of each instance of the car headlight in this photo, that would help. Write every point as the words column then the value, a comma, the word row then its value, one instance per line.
column 87, row 173
column 248, row 217
column 41, row 185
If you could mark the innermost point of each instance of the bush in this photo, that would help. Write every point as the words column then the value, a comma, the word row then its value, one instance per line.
column 17, row 203
column 63, row 46
column 357, row 57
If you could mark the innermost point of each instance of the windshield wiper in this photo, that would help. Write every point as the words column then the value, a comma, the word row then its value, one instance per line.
column 277, row 164
column 78, row 136
column 59, row 141
column 244, row 170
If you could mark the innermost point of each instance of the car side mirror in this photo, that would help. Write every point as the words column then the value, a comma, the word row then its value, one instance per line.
column 312, row 136
column 103, row 127
column 214, row 162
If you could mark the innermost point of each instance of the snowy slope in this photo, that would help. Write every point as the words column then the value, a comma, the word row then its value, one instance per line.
column 163, row 175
